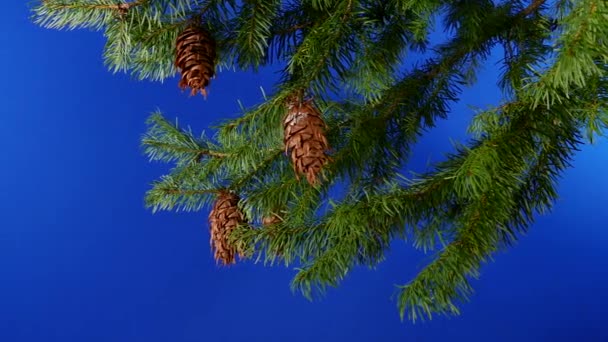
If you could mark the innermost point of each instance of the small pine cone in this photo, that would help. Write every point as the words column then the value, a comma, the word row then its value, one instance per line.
column 123, row 9
column 223, row 219
column 271, row 220
column 305, row 139
column 195, row 58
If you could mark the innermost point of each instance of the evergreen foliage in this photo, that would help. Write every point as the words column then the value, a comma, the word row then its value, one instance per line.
column 350, row 57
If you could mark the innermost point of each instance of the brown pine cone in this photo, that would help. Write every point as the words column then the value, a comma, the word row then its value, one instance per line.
column 223, row 219
column 305, row 139
column 195, row 58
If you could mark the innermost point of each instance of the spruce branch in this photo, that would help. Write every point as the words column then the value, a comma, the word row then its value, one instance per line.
column 122, row 7
column 94, row 14
column 305, row 279
column 349, row 56
column 311, row 65
column 581, row 46
column 166, row 142
column 180, row 190
column 442, row 284
column 60, row 14
column 253, row 32
column 270, row 157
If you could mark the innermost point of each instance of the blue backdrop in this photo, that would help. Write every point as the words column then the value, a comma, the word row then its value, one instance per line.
column 81, row 259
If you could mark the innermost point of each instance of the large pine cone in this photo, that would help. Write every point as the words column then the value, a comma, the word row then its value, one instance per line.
column 223, row 219
column 305, row 139
column 195, row 58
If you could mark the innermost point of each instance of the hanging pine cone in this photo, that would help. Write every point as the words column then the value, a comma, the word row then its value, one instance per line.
column 305, row 139
column 195, row 58
column 223, row 219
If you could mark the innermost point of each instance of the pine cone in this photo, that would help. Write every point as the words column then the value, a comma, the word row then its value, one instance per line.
column 223, row 219
column 271, row 219
column 195, row 58
column 305, row 139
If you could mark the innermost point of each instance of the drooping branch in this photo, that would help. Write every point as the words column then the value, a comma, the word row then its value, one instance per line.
column 476, row 201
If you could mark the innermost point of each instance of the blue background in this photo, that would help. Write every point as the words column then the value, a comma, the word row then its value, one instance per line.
column 81, row 259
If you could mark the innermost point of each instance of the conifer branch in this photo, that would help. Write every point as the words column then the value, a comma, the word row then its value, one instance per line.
column 167, row 142
column 199, row 152
column 272, row 155
column 347, row 55
column 444, row 282
column 580, row 48
column 187, row 192
column 252, row 35
column 180, row 190
column 122, row 7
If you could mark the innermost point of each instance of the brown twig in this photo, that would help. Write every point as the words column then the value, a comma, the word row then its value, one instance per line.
column 535, row 5
column 293, row 28
column 124, row 7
